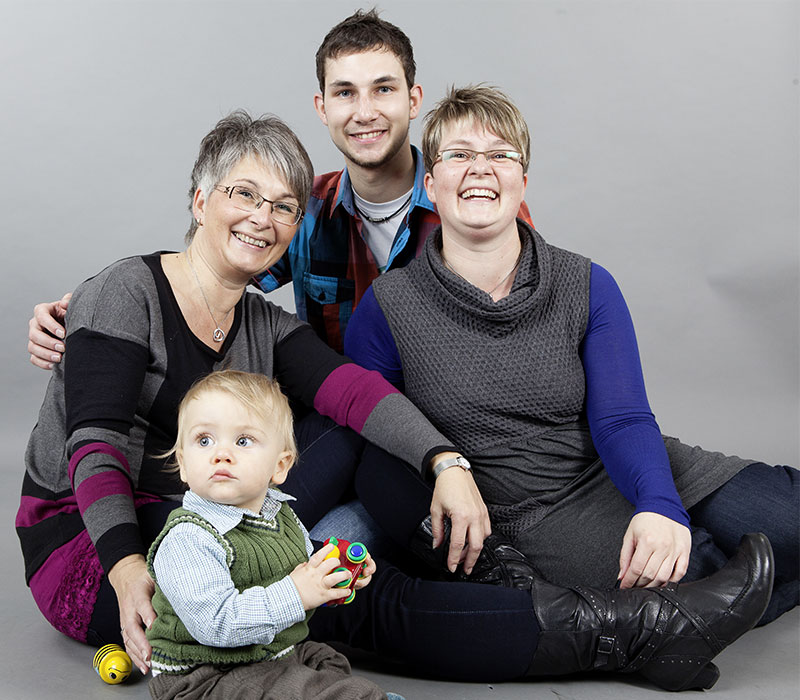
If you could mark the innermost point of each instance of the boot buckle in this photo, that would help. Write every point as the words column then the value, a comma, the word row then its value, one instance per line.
column 605, row 646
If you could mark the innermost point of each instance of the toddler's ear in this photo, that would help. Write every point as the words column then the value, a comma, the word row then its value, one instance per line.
column 285, row 461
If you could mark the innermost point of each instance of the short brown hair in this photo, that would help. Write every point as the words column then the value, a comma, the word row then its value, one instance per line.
column 481, row 104
column 257, row 392
column 363, row 31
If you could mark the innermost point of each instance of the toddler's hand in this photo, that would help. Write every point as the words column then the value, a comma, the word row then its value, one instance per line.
column 367, row 571
column 314, row 581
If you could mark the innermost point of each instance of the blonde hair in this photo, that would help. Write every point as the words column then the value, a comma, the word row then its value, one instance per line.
column 261, row 395
column 483, row 105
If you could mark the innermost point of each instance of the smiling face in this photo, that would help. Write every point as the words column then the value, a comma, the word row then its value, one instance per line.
column 476, row 200
column 243, row 243
column 228, row 454
column 367, row 106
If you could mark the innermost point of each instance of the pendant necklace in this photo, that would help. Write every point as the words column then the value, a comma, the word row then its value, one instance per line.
column 219, row 334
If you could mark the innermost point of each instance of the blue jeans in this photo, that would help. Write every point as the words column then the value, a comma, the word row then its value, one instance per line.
column 760, row 498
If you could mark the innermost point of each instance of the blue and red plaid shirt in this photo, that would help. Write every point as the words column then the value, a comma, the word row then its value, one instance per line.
column 328, row 261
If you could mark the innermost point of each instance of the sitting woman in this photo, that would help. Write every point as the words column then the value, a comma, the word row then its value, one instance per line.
column 144, row 329
column 524, row 355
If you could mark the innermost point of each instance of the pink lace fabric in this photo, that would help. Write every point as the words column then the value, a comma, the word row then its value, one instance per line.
column 79, row 576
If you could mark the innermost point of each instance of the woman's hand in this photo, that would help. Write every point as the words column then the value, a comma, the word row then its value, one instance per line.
column 134, row 588
column 655, row 551
column 315, row 581
column 456, row 496
column 46, row 332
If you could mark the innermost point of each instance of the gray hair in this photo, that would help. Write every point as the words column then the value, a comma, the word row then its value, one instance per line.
column 237, row 136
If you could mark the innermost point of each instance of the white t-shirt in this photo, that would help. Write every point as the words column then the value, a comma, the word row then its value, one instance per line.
column 380, row 236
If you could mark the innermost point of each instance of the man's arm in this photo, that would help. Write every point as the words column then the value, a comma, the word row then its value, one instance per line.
column 46, row 332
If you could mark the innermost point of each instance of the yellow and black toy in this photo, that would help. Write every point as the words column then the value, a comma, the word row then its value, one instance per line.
column 112, row 664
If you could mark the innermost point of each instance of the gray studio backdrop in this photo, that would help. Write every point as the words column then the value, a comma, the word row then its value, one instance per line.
column 665, row 147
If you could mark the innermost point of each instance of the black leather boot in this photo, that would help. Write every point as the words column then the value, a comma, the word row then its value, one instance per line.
column 499, row 564
column 667, row 635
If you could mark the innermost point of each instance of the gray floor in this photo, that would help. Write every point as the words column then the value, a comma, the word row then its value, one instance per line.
column 41, row 663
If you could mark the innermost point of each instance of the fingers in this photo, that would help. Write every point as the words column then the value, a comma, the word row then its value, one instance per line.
column 45, row 344
column 437, row 526
column 48, row 317
column 317, row 557
column 458, row 539
column 133, row 623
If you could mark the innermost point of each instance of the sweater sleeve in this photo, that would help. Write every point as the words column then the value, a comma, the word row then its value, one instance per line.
column 355, row 397
column 370, row 343
column 108, row 324
column 623, row 427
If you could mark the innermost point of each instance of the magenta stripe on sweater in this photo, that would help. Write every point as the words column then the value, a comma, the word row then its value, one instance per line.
column 108, row 483
column 34, row 510
column 91, row 448
column 350, row 393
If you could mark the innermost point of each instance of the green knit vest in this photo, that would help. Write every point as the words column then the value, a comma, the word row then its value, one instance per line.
column 259, row 553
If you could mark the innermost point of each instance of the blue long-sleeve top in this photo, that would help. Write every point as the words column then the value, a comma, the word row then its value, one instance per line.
column 623, row 427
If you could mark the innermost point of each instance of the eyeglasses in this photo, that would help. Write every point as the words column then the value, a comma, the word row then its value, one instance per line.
column 463, row 156
column 247, row 200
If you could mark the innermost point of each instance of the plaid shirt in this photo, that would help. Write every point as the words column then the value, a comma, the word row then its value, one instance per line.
column 329, row 262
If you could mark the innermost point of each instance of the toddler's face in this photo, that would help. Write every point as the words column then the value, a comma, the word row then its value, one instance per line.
column 228, row 454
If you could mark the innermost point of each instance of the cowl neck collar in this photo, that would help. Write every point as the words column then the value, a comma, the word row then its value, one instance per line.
column 529, row 288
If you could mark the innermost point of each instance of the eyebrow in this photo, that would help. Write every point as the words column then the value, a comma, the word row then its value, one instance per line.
column 377, row 81
column 497, row 145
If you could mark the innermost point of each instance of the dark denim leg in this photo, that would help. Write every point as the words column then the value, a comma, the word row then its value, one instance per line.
column 323, row 475
column 760, row 498
column 460, row 631
column 393, row 493
column 706, row 558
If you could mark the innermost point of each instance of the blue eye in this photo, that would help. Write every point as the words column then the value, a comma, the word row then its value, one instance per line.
column 204, row 441
column 244, row 441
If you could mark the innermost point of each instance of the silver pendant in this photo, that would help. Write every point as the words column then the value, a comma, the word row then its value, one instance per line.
column 219, row 335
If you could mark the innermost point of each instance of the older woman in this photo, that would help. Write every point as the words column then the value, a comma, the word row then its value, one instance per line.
column 140, row 333
column 143, row 329
column 524, row 354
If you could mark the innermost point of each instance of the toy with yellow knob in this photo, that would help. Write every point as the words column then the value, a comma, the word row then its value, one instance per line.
column 112, row 664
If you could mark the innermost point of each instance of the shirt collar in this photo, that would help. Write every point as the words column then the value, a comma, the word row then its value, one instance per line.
column 419, row 198
column 224, row 518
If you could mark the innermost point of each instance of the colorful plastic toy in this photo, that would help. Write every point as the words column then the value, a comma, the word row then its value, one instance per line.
column 352, row 556
column 112, row 664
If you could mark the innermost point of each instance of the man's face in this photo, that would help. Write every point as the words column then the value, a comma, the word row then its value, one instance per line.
column 367, row 106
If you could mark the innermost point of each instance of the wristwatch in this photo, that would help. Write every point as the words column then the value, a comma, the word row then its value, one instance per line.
column 451, row 462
